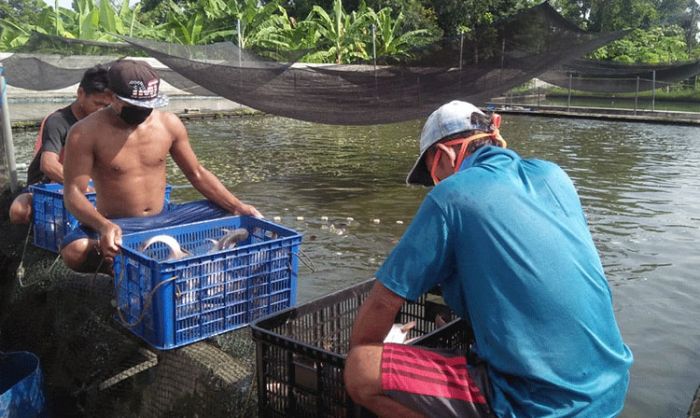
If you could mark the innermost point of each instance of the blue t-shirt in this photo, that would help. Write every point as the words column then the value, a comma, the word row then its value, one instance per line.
column 508, row 241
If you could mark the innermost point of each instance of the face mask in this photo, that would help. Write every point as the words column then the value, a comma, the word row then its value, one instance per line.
column 134, row 115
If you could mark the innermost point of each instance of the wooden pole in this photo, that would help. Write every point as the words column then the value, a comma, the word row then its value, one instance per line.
column 461, row 48
column 568, row 100
column 240, row 44
column 636, row 97
column 374, row 46
column 653, row 91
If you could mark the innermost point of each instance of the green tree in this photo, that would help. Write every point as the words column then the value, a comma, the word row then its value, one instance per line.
column 661, row 28
column 473, row 16
column 22, row 11
column 611, row 15
column 651, row 46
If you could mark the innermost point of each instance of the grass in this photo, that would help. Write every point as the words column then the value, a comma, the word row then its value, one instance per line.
column 674, row 94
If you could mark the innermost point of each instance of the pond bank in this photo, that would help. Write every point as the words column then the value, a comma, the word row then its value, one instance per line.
column 27, row 113
column 601, row 113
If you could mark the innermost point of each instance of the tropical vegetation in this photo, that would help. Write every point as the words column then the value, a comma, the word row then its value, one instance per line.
column 337, row 31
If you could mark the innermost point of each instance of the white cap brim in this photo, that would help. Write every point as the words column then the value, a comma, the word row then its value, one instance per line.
column 160, row 101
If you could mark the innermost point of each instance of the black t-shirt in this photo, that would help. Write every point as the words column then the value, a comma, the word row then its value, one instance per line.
column 53, row 139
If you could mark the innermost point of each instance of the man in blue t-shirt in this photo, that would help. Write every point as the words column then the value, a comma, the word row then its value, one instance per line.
column 507, row 241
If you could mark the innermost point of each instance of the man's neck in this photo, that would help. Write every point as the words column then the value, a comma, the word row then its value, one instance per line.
column 77, row 110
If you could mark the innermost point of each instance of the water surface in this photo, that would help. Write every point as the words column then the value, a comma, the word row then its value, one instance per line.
column 639, row 184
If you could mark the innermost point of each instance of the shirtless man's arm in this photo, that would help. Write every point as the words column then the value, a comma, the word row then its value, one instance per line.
column 78, row 163
column 203, row 180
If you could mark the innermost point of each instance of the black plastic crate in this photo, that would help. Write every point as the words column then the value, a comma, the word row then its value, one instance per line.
column 301, row 351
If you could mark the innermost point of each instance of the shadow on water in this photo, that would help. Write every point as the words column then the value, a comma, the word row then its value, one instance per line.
column 342, row 187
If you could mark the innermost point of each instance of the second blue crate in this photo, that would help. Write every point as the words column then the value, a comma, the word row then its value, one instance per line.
column 52, row 221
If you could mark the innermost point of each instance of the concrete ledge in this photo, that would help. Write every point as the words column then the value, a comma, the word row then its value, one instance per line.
column 604, row 113
column 27, row 114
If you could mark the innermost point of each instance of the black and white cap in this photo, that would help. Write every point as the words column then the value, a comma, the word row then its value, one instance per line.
column 136, row 83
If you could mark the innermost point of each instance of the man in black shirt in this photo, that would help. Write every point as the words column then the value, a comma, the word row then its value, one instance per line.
column 47, row 165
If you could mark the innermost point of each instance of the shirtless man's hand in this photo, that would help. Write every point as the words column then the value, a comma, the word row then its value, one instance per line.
column 110, row 240
column 249, row 210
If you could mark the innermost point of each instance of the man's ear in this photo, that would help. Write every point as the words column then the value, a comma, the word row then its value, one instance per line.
column 449, row 152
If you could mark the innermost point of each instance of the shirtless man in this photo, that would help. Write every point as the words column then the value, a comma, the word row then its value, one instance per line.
column 123, row 148
column 47, row 165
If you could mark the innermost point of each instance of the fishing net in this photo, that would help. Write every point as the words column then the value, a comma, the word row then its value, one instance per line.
column 92, row 365
column 601, row 76
column 505, row 55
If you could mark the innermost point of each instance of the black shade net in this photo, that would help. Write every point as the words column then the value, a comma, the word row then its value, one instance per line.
column 611, row 77
column 60, row 63
column 515, row 50
column 505, row 55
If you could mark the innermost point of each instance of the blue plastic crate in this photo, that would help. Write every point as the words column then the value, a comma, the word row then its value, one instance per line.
column 171, row 303
column 52, row 221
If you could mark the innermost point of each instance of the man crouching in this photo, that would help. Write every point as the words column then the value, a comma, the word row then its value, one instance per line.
column 123, row 148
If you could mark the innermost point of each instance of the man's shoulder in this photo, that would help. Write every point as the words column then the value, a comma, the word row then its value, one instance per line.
column 60, row 118
column 167, row 117
column 96, row 122
column 103, row 117
column 169, row 122
column 545, row 166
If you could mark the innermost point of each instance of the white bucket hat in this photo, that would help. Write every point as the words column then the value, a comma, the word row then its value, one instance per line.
column 449, row 119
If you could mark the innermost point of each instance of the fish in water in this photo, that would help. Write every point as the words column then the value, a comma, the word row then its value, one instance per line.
column 176, row 252
column 230, row 239
column 398, row 333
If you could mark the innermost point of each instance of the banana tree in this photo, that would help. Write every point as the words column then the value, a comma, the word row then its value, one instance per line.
column 98, row 21
column 391, row 43
column 13, row 35
column 345, row 34
column 261, row 25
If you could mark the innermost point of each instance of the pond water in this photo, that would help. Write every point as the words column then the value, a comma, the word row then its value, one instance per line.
column 639, row 184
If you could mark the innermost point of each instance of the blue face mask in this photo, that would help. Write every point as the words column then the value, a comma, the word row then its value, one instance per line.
column 134, row 115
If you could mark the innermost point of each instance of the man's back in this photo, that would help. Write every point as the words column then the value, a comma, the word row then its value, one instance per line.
column 534, row 286
column 511, row 248
column 53, row 138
